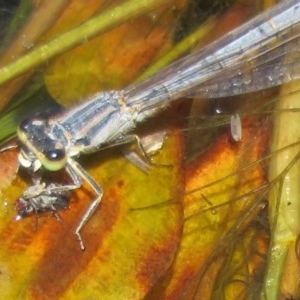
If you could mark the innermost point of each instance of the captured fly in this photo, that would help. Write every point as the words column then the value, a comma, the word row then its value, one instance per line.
column 39, row 198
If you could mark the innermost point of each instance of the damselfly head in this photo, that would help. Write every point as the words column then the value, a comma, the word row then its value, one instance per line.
column 39, row 147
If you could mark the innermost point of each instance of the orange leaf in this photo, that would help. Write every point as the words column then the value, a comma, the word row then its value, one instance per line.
column 221, row 202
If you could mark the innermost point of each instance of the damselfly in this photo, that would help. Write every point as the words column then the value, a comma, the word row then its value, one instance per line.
column 250, row 58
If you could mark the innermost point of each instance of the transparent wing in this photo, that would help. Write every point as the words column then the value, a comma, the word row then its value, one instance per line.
column 249, row 58
column 270, row 68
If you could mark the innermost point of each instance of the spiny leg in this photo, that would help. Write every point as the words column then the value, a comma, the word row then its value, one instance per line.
column 143, row 161
column 73, row 166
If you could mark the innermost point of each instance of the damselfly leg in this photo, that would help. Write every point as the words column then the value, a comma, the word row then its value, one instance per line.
column 80, row 171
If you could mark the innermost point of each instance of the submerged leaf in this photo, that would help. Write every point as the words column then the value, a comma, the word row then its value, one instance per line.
column 223, row 198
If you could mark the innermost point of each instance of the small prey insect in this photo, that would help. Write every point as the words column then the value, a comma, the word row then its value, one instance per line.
column 40, row 198
column 256, row 50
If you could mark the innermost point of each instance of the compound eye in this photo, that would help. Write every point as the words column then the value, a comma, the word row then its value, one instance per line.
column 55, row 154
column 24, row 125
column 54, row 159
column 24, row 129
column 28, row 127
column 23, row 208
